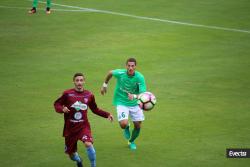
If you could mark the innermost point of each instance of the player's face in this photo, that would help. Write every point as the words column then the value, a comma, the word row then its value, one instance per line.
column 131, row 68
column 79, row 81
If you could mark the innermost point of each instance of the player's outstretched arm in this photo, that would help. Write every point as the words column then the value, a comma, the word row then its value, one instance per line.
column 98, row 111
column 110, row 118
column 105, row 84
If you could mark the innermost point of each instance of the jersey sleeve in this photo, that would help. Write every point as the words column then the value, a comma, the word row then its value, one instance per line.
column 59, row 103
column 141, row 84
column 96, row 110
column 116, row 73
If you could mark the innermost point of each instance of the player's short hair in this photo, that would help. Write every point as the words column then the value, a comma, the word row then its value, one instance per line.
column 77, row 74
column 131, row 60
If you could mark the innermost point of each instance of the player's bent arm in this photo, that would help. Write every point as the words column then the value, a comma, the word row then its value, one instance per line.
column 105, row 84
column 58, row 105
column 65, row 109
column 108, row 77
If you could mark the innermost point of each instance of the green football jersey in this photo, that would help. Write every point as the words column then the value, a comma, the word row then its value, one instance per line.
column 127, row 84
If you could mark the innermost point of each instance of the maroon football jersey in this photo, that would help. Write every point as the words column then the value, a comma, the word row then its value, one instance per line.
column 78, row 103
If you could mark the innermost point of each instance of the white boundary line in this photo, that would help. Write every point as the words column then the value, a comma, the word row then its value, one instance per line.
column 63, row 10
column 155, row 19
column 12, row 7
column 80, row 9
column 72, row 10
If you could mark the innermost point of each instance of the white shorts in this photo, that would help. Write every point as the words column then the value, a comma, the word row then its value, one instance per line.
column 135, row 112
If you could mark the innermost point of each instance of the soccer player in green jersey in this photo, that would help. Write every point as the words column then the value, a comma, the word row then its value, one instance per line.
column 129, row 84
column 34, row 6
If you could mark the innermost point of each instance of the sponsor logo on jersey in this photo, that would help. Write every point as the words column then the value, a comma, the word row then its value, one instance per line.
column 78, row 115
column 78, row 105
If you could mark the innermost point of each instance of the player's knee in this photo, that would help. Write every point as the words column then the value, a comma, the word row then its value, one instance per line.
column 137, row 126
column 123, row 124
column 88, row 144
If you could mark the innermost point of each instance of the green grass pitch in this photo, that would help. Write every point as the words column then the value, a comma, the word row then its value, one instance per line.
column 199, row 74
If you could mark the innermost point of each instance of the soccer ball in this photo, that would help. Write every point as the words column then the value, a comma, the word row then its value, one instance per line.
column 146, row 101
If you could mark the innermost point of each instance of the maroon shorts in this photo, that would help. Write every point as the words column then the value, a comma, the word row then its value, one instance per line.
column 71, row 140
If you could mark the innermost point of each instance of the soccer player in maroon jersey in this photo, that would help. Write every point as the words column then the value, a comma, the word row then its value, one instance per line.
column 74, row 104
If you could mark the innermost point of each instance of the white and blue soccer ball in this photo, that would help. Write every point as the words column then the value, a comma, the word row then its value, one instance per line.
column 146, row 101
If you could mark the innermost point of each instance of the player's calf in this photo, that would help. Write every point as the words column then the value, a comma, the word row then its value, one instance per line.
column 92, row 155
column 75, row 157
column 126, row 132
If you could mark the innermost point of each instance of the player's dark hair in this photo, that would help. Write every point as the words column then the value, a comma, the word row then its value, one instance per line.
column 131, row 60
column 77, row 74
